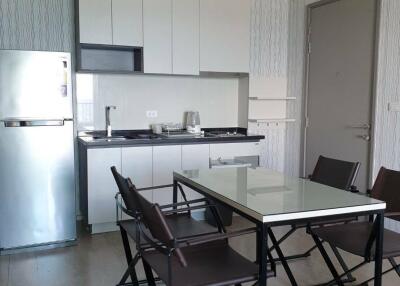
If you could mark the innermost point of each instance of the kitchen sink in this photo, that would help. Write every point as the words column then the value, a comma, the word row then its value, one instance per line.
column 146, row 136
column 112, row 138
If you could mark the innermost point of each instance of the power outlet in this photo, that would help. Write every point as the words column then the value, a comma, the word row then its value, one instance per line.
column 151, row 113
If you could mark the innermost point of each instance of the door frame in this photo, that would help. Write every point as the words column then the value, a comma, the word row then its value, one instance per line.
column 306, row 86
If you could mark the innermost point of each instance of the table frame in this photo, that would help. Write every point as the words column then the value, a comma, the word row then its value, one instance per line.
column 264, row 230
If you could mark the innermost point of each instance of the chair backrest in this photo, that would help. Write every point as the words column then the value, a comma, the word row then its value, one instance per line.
column 155, row 221
column 387, row 188
column 335, row 173
column 123, row 184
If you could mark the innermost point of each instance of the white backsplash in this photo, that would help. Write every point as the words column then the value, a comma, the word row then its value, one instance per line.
column 215, row 98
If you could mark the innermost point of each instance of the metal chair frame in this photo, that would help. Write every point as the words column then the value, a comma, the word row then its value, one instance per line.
column 371, row 240
column 367, row 258
column 172, row 209
column 307, row 253
column 169, row 248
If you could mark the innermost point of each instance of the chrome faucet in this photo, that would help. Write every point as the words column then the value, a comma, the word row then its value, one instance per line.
column 108, row 124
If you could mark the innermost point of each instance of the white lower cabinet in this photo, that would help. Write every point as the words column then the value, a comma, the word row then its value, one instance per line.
column 232, row 150
column 101, row 185
column 195, row 157
column 137, row 164
column 166, row 159
column 148, row 166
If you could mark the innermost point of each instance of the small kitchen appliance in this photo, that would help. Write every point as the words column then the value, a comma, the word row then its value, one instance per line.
column 193, row 122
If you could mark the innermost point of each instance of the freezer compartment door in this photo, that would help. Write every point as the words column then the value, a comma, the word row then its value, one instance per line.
column 35, row 84
column 37, row 194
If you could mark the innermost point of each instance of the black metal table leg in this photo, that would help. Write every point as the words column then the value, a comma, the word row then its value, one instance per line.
column 262, row 257
column 282, row 258
column 175, row 193
column 379, row 248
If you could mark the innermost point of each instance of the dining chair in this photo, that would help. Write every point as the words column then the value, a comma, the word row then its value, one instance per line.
column 203, row 260
column 358, row 238
column 180, row 221
column 334, row 173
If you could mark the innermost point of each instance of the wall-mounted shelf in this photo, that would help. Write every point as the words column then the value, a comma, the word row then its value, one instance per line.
column 272, row 120
column 272, row 98
column 109, row 59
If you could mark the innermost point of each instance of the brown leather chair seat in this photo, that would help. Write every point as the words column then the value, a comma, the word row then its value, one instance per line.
column 205, row 267
column 353, row 238
column 182, row 225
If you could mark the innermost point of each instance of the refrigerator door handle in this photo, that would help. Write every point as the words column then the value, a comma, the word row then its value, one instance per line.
column 32, row 122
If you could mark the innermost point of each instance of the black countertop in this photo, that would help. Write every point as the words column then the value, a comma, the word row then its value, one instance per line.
column 146, row 137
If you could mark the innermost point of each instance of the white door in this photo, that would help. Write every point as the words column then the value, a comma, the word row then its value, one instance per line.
column 340, row 84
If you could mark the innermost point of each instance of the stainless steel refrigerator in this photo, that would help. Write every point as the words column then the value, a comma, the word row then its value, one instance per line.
column 37, row 185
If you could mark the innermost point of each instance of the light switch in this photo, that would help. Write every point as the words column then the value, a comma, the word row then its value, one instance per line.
column 394, row 106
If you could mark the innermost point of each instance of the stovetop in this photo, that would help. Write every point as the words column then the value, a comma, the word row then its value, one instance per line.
column 223, row 133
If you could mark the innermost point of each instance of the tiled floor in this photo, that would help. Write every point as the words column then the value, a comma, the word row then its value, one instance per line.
column 99, row 260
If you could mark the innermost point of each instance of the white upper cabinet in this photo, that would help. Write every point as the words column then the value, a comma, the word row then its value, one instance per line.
column 225, row 35
column 157, row 33
column 111, row 22
column 95, row 22
column 185, row 37
column 127, row 22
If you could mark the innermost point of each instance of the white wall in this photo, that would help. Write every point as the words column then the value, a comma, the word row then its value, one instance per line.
column 215, row 98
column 269, row 60
column 45, row 25
column 386, row 148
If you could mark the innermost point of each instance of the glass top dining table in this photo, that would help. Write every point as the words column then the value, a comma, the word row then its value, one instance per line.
column 269, row 198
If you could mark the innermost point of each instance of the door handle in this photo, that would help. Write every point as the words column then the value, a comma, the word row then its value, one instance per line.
column 364, row 137
column 361, row 126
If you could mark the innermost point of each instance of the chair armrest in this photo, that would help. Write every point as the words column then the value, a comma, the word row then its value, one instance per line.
column 122, row 208
column 155, row 244
column 154, row 188
column 183, row 203
column 173, row 211
column 213, row 237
